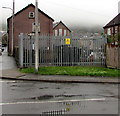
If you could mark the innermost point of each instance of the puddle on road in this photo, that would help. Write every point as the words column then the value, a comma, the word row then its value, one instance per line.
column 21, row 86
column 48, row 97
column 44, row 97
column 66, row 108
column 44, row 88
column 63, row 97
column 69, row 95
column 58, row 88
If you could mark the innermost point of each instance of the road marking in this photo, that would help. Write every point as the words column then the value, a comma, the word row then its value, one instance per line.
column 58, row 101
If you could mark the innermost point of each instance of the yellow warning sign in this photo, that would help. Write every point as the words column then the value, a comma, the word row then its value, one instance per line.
column 67, row 41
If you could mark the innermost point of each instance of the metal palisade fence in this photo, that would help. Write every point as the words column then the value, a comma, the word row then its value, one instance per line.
column 62, row 51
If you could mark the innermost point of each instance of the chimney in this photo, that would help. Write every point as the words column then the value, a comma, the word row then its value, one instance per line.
column 118, row 7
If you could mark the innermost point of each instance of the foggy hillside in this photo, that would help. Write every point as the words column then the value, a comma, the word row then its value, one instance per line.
column 75, row 29
column 94, row 29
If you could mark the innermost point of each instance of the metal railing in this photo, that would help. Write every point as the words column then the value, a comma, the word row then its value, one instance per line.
column 62, row 51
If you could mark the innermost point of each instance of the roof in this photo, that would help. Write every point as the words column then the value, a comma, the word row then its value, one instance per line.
column 56, row 24
column 33, row 7
column 114, row 21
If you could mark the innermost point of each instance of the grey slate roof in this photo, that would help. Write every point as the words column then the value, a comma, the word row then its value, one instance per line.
column 115, row 21
column 56, row 24
column 34, row 7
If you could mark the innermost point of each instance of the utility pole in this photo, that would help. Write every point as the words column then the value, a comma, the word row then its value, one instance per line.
column 13, row 27
column 36, row 37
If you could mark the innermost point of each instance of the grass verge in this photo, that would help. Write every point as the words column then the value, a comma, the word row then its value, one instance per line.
column 75, row 71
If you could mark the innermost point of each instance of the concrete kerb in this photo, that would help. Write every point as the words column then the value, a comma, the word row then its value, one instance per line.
column 59, row 81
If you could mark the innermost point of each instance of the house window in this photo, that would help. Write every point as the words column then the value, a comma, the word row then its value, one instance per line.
column 31, row 15
column 60, row 32
column 33, row 27
column 65, row 33
column 56, row 33
column 109, row 31
column 116, row 29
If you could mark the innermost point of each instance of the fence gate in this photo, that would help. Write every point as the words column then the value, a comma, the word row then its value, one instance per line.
column 62, row 51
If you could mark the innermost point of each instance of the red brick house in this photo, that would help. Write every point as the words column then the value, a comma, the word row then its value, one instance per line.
column 24, row 23
column 113, row 27
column 60, row 29
column 112, row 31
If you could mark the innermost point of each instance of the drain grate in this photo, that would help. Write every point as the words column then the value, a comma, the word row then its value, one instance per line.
column 54, row 112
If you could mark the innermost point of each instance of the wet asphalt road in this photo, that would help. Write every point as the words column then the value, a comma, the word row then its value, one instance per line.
column 50, row 98
column 38, row 98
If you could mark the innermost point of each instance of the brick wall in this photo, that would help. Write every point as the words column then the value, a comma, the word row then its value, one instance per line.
column 61, row 26
column 23, row 24
column 113, row 56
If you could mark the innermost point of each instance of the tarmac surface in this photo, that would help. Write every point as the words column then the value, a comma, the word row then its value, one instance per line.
column 9, row 70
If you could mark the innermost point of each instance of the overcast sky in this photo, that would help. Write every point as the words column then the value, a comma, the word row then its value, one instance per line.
column 86, row 13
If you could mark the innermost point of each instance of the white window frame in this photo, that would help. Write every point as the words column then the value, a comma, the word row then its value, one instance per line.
column 60, row 32
column 65, row 32
column 116, row 29
column 31, row 15
column 109, row 31
column 56, row 32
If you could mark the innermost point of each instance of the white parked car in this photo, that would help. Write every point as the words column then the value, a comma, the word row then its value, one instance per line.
column 1, row 49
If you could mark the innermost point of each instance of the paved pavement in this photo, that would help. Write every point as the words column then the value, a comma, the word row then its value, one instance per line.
column 9, row 70
column 8, row 66
column 6, row 62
